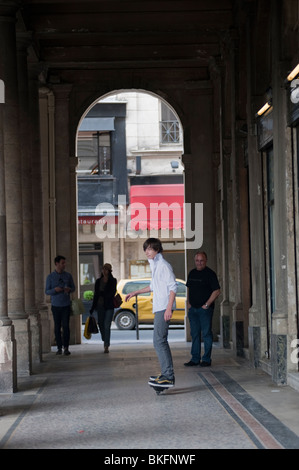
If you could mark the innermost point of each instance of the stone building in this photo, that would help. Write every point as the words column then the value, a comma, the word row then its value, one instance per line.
column 129, row 147
column 216, row 63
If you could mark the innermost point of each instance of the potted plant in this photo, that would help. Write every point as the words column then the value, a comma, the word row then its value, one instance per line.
column 88, row 295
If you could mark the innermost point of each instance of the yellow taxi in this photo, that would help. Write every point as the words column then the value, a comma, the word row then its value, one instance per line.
column 125, row 315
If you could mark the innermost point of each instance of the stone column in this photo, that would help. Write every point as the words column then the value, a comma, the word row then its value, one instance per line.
column 47, row 205
column 198, row 103
column 13, row 189
column 75, row 323
column 189, row 254
column 40, row 206
column 238, row 333
column 65, row 192
column 23, row 41
column 223, row 182
column 279, row 336
column 8, row 358
column 257, row 330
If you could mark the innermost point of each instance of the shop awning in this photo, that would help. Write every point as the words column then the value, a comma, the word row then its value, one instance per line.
column 159, row 206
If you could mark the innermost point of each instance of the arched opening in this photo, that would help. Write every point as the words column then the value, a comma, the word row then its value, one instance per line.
column 130, row 178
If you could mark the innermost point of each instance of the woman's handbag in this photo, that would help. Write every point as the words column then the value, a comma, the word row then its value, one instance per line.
column 117, row 301
column 87, row 335
column 92, row 326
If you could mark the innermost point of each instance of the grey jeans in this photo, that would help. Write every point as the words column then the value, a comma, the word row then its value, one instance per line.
column 161, row 345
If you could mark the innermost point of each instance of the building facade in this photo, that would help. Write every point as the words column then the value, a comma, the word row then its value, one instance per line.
column 216, row 63
column 143, row 140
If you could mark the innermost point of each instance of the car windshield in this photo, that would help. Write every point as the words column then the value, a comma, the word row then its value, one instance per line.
column 135, row 285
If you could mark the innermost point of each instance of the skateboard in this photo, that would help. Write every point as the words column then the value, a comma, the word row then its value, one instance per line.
column 159, row 389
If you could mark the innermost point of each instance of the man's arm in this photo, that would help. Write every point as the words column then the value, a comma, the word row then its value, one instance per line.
column 71, row 287
column 168, row 311
column 49, row 290
column 212, row 298
column 136, row 292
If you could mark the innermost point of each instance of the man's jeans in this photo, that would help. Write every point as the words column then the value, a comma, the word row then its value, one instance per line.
column 201, row 323
column 61, row 316
column 161, row 345
column 104, row 321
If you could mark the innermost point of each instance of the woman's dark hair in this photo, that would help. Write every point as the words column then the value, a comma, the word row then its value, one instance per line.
column 153, row 243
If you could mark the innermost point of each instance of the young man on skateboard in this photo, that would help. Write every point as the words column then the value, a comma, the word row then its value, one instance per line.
column 164, row 287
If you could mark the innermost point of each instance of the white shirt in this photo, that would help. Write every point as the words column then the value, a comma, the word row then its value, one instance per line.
column 163, row 281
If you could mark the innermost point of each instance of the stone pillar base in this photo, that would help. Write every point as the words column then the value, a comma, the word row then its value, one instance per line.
column 225, row 324
column 23, row 340
column 8, row 360
column 238, row 338
column 279, row 359
column 76, row 330
column 36, row 341
column 225, row 331
column 45, row 328
column 254, row 339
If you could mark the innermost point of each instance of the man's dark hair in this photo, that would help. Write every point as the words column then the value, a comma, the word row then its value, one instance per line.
column 153, row 243
column 58, row 259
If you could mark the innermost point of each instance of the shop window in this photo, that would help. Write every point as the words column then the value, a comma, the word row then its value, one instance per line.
column 94, row 152
column 90, row 262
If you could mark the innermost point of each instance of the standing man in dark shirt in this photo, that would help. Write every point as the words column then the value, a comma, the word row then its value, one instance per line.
column 202, row 290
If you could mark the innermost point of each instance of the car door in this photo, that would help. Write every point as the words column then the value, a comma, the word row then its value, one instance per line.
column 145, row 304
column 145, row 301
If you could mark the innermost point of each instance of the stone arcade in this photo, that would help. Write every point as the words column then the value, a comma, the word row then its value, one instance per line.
column 216, row 63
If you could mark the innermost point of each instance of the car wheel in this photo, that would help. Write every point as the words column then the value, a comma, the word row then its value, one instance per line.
column 125, row 320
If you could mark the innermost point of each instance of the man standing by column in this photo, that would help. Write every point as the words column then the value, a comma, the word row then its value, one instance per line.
column 59, row 286
column 164, row 287
column 202, row 290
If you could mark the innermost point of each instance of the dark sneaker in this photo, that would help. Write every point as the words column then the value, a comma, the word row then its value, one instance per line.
column 59, row 352
column 205, row 364
column 154, row 377
column 66, row 352
column 191, row 364
column 162, row 381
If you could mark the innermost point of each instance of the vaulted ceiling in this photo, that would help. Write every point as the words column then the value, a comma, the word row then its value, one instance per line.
column 118, row 34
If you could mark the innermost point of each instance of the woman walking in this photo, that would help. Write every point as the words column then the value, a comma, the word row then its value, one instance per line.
column 104, row 292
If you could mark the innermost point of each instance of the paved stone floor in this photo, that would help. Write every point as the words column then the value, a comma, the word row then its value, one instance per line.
column 92, row 400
